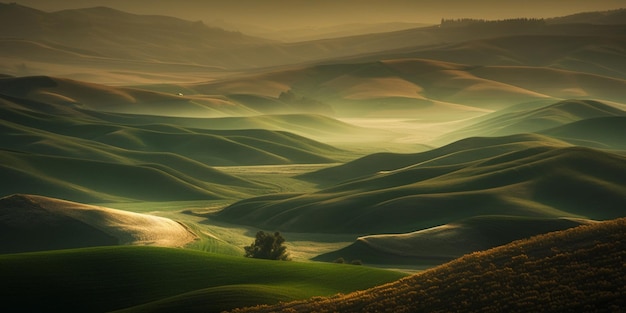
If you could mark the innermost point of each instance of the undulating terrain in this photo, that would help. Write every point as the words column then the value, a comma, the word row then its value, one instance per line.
column 470, row 165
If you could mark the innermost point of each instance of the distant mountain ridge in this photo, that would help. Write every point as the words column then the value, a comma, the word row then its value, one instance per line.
column 125, row 45
column 616, row 17
column 67, row 26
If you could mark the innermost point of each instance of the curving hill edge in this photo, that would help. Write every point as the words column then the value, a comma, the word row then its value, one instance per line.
column 37, row 223
column 579, row 269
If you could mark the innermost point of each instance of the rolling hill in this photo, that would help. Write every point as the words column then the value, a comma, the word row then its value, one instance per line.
column 386, row 162
column 106, row 45
column 211, row 147
column 103, row 43
column 522, row 175
column 601, row 132
column 57, row 148
column 421, row 88
column 394, row 88
column 579, row 269
column 537, row 119
column 437, row 245
column 36, row 223
column 105, row 279
column 582, row 50
column 44, row 160
column 102, row 98
column 132, row 106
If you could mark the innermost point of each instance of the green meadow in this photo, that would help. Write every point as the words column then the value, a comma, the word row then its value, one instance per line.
column 457, row 166
column 111, row 278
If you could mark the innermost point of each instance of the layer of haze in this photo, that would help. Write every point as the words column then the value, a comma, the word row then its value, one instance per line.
column 319, row 13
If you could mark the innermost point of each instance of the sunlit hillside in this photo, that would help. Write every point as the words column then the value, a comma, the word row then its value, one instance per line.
column 39, row 223
column 154, row 155
column 580, row 269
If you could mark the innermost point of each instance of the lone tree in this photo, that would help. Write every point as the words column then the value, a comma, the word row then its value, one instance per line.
column 268, row 246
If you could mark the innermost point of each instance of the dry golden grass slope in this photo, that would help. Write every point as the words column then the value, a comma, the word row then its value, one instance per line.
column 35, row 223
column 575, row 270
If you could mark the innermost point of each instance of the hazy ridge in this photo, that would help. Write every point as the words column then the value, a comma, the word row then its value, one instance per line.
column 401, row 149
column 46, row 38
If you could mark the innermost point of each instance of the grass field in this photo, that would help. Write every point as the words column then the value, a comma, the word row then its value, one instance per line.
column 111, row 278
column 141, row 154
column 578, row 269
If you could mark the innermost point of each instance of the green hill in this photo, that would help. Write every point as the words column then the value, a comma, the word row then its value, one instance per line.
column 440, row 244
column 517, row 175
column 36, row 223
column 68, row 152
column 112, row 278
column 96, row 181
column 386, row 162
column 389, row 88
column 402, row 86
column 62, row 92
column 211, row 147
column 535, row 119
column 579, row 269
column 601, row 132
column 314, row 126
column 579, row 48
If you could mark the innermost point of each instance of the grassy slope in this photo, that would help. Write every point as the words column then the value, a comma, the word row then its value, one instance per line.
column 375, row 163
column 477, row 176
column 400, row 87
column 109, row 278
column 579, row 269
column 73, row 178
column 213, row 147
column 78, row 94
column 601, row 132
column 535, row 119
column 37, row 223
column 392, row 88
column 443, row 243
column 163, row 157
column 583, row 50
column 315, row 126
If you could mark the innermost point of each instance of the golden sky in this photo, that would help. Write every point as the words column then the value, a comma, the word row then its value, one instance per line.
column 308, row 13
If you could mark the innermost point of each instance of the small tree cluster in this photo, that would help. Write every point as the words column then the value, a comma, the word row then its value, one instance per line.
column 268, row 246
